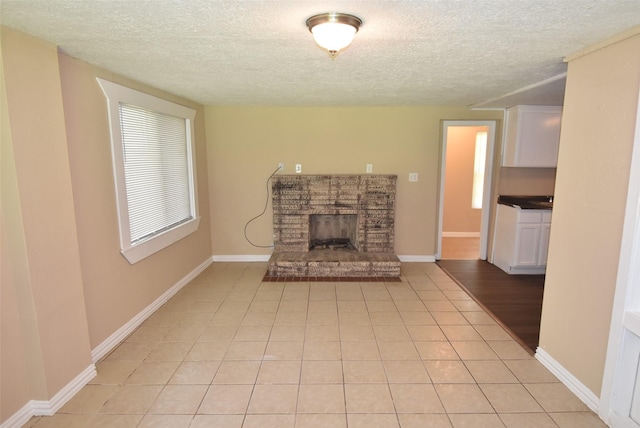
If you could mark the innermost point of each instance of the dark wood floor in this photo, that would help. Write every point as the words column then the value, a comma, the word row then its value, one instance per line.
column 514, row 300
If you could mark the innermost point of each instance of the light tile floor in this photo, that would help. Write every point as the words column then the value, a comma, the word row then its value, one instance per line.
column 231, row 351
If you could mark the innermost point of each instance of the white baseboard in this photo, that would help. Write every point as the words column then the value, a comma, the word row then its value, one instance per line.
column 569, row 380
column 119, row 335
column 242, row 258
column 460, row 234
column 19, row 418
column 50, row 407
column 417, row 259
column 616, row 420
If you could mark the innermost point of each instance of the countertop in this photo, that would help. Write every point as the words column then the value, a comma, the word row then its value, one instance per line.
column 527, row 202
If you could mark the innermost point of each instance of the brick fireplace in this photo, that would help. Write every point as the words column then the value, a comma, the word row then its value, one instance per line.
column 334, row 226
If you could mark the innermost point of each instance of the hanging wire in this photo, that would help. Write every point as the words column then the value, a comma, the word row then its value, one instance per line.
column 266, row 204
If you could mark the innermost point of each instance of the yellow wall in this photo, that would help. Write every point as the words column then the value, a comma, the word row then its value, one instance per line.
column 593, row 171
column 245, row 145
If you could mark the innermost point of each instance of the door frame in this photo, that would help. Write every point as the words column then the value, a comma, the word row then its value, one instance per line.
column 623, row 349
column 488, row 174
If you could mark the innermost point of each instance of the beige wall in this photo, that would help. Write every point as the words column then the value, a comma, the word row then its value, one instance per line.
column 593, row 172
column 63, row 279
column 45, row 342
column 14, row 271
column 65, row 287
column 245, row 145
column 458, row 216
column 106, row 275
column 527, row 181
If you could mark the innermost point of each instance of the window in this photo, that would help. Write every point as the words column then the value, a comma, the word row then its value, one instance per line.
column 154, row 170
column 478, row 170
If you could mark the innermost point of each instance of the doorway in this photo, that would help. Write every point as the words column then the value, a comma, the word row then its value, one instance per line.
column 620, row 394
column 465, row 189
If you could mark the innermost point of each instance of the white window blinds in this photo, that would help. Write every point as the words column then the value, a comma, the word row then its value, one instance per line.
column 152, row 148
column 156, row 169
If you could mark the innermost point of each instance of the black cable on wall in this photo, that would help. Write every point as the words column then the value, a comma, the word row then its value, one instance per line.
column 266, row 204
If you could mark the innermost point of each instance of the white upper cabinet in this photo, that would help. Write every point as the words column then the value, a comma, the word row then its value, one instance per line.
column 532, row 136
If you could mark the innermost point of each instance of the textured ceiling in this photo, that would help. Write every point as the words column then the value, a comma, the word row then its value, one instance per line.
column 259, row 52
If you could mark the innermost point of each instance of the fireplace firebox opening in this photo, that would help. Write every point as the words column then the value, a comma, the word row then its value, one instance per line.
column 333, row 231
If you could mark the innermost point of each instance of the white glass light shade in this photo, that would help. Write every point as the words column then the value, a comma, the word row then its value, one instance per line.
column 333, row 31
column 333, row 36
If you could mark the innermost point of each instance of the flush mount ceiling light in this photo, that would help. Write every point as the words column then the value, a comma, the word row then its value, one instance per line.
column 333, row 31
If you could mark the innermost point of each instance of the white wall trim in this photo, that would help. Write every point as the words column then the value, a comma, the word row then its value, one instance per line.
column 616, row 420
column 242, row 258
column 615, row 393
column 478, row 106
column 19, row 418
column 50, row 407
column 417, row 259
column 604, row 43
column 488, row 182
column 569, row 380
column 119, row 335
column 460, row 234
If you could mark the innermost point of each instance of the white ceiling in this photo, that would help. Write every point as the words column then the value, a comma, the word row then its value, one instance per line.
column 259, row 52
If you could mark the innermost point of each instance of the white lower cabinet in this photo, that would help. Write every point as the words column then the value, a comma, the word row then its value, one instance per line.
column 522, row 240
column 545, row 231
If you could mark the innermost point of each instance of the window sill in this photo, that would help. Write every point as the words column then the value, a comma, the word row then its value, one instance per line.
column 144, row 249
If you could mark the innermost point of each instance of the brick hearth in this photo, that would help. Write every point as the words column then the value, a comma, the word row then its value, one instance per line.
column 370, row 197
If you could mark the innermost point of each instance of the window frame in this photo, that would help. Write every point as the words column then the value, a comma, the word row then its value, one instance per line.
column 479, row 165
column 117, row 94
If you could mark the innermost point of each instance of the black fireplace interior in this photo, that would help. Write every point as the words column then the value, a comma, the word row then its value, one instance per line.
column 333, row 231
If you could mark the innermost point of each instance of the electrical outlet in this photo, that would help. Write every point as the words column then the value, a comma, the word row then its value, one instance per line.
column 413, row 176
column 298, row 168
column 281, row 166
column 369, row 168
